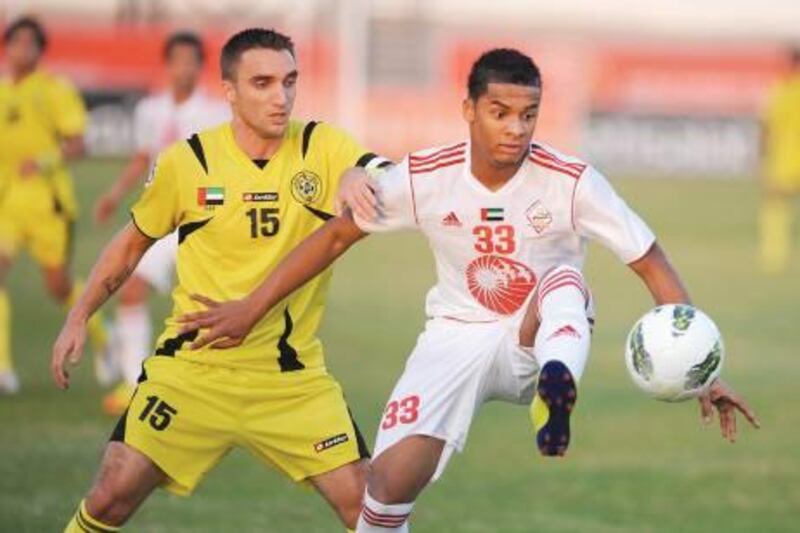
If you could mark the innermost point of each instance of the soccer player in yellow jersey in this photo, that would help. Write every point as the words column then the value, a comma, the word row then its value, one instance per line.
column 781, row 170
column 42, row 120
column 241, row 196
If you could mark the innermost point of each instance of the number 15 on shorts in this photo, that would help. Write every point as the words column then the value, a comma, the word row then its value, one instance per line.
column 403, row 411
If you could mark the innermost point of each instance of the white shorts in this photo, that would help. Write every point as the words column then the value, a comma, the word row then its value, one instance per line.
column 455, row 368
column 157, row 267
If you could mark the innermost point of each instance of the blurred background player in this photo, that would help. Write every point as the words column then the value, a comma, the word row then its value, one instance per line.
column 159, row 121
column 42, row 123
column 781, row 172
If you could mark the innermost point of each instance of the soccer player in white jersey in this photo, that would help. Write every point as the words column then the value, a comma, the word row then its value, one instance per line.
column 508, row 219
column 159, row 120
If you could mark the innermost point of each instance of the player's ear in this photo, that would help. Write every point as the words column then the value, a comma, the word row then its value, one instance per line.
column 229, row 91
column 468, row 109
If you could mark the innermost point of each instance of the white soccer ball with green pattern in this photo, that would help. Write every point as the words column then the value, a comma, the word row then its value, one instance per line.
column 674, row 352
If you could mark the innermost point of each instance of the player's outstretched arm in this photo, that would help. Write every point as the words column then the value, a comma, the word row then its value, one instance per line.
column 666, row 287
column 228, row 323
column 116, row 262
column 127, row 180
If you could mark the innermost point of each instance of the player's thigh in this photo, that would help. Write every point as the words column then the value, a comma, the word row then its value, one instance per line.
column 125, row 478
column 10, row 239
column 301, row 425
column 157, row 266
column 183, row 417
column 441, row 387
column 50, row 240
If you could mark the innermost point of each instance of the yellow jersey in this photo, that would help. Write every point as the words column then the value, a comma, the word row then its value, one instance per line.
column 236, row 221
column 782, row 149
column 35, row 114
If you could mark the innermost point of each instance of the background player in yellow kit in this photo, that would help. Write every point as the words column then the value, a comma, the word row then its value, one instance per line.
column 241, row 196
column 781, row 169
column 42, row 121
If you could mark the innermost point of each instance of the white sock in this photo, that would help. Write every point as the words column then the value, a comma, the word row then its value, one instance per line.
column 564, row 332
column 377, row 517
column 135, row 334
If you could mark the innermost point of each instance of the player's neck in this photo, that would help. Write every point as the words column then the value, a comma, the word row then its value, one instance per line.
column 181, row 94
column 23, row 72
column 251, row 143
column 490, row 175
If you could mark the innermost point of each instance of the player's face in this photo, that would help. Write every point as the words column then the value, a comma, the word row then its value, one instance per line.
column 23, row 51
column 263, row 90
column 184, row 67
column 502, row 120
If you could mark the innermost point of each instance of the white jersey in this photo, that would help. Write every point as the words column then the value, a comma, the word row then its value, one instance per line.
column 491, row 247
column 159, row 121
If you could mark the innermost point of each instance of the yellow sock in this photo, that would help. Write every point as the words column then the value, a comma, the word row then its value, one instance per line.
column 6, row 364
column 82, row 522
column 96, row 327
column 775, row 229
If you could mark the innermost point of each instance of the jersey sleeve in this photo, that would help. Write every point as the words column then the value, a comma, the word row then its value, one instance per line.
column 155, row 213
column 600, row 214
column 143, row 130
column 395, row 201
column 345, row 152
column 68, row 110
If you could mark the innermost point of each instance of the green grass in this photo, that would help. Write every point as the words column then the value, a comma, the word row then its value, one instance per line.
column 635, row 465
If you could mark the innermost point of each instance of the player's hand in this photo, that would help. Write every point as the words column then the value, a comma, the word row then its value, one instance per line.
column 105, row 206
column 226, row 324
column 67, row 350
column 29, row 168
column 357, row 191
column 726, row 401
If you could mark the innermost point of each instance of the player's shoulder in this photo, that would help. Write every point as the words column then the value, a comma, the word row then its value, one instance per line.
column 191, row 154
column 437, row 158
column 551, row 161
column 55, row 84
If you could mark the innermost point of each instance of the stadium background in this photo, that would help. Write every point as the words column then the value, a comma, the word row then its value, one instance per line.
column 668, row 91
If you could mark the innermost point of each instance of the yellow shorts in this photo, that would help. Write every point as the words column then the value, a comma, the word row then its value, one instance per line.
column 186, row 416
column 37, row 223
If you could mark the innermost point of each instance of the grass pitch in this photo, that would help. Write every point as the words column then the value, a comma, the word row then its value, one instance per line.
column 635, row 465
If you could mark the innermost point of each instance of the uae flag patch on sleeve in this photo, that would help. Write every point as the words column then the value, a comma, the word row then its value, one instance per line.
column 210, row 196
column 492, row 214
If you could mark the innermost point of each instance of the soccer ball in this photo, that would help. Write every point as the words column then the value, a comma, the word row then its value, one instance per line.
column 674, row 352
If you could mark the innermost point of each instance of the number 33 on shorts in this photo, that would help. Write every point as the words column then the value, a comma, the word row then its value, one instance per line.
column 403, row 411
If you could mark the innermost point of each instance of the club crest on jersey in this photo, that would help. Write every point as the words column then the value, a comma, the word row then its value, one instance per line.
column 330, row 442
column 492, row 214
column 210, row 197
column 306, row 187
column 259, row 197
column 451, row 220
column 538, row 216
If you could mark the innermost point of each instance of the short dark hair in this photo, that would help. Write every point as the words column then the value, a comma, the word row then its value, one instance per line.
column 247, row 40
column 185, row 38
column 26, row 23
column 502, row 65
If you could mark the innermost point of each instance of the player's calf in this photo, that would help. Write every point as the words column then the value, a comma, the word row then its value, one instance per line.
column 125, row 480
column 561, row 347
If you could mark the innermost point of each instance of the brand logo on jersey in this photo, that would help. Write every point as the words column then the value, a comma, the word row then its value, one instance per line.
column 210, row 196
column 492, row 214
column 260, row 197
column 451, row 220
column 500, row 284
column 538, row 216
column 306, row 187
column 330, row 442
column 565, row 331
